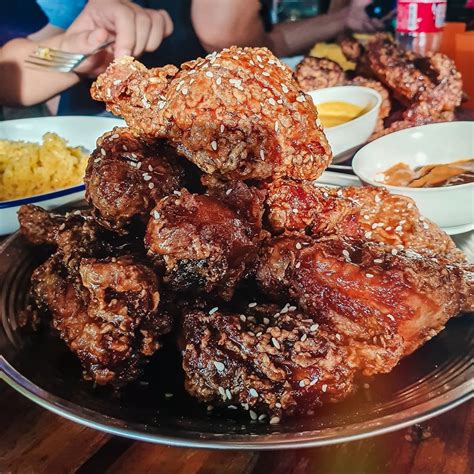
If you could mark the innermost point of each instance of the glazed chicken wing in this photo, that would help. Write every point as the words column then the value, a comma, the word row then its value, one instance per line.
column 126, row 176
column 206, row 243
column 359, row 212
column 317, row 73
column 382, row 303
column 108, row 318
column 238, row 114
column 268, row 360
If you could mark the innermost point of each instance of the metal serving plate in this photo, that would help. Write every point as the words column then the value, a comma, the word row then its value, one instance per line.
column 436, row 378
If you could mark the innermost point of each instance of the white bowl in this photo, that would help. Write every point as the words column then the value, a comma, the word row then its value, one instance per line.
column 78, row 131
column 450, row 206
column 357, row 131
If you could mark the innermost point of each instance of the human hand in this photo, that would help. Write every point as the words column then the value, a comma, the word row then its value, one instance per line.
column 358, row 20
column 134, row 30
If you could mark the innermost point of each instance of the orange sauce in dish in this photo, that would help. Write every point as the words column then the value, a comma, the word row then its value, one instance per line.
column 430, row 176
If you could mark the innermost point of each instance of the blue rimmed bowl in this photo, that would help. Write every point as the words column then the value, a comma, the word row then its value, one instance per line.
column 78, row 131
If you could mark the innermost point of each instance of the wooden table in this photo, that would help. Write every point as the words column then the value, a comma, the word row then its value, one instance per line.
column 33, row 440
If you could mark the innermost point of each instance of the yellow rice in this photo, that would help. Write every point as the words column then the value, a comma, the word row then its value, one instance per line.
column 27, row 168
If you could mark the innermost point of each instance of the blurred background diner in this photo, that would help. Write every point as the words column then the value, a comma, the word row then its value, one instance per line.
column 170, row 32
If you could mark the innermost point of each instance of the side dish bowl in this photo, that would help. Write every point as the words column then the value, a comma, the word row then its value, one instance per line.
column 357, row 131
column 78, row 131
column 450, row 206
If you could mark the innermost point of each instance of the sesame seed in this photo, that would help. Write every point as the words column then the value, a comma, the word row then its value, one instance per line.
column 184, row 91
column 292, row 308
column 272, row 101
column 242, row 318
column 62, row 226
column 399, row 228
column 368, row 235
column 425, row 225
column 116, row 82
column 284, row 88
column 324, row 388
column 219, row 81
column 245, row 406
column 377, row 198
column 278, row 405
column 210, row 408
column 374, row 226
column 229, row 395
column 298, row 246
column 222, row 392
column 97, row 160
column 253, row 415
column 219, row 366
column 388, row 228
column 222, row 128
column 262, row 155
column 369, row 275
column 177, row 193
column 213, row 310
column 209, row 74
column 366, row 217
column 338, row 337
column 259, row 59
column 389, row 316
column 214, row 145
column 253, row 392
column 303, row 338
column 275, row 420
column 300, row 98
column 266, row 321
column 314, row 327
column 298, row 265
column 410, row 205
column 146, row 177
column 302, row 383
column 169, row 395
column 275, row 343
column 150, row 168
column 102, row 152
column 151, row 185
column 378, row 260
column 232, row 407
column 394, row 251
column 346, row 253
column 276, row 126
column 228, row 192
column 125, row 147
column 252, row 305
column 156, row 214
column 262, row 417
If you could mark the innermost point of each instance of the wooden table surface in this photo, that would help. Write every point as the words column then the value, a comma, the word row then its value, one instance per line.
column 33, row 440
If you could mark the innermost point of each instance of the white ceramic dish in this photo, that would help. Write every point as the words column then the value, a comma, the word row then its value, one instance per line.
column 78, row 131
column 451, row 206
column 357, row 131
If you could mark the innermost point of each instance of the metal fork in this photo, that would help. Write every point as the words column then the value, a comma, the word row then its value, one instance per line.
column 57, row 60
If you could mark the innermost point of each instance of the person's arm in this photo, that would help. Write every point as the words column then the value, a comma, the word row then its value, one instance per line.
column 238, row 22
column 22, row 86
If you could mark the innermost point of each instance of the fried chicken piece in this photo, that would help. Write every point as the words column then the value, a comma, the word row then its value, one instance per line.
column 109, row 319
column 303, row 207
column 317, row 73
column 205, row 243
column 351, row 48
column 39, row 226
column 432, row 80
column 237, row 114
column 366, row 212
column 270, row 360
column 126, row 176
column 383, row 305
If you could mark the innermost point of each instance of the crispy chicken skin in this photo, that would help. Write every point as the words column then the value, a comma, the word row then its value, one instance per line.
column 126, row 176
column 360, row 212
column 383, row 303
column 109, row 319
column 238, row 114
column 268, row 360
column 317, row 73
column 205, row 243
column 102, row 299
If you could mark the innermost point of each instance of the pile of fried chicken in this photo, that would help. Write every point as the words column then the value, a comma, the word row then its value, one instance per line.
column 417, row 89
column 204, row 221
